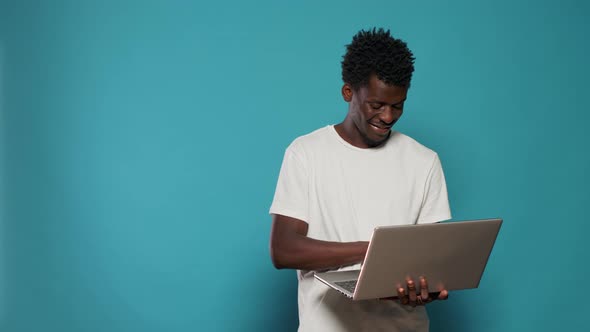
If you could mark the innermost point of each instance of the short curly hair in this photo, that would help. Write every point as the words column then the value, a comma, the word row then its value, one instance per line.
column 376, row 52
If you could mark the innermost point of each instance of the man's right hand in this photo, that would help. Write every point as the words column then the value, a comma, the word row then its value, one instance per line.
column 290, row 247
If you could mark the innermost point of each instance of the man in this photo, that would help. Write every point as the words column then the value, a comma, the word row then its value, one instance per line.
column 339, row 182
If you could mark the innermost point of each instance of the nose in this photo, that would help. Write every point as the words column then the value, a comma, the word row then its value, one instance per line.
column 390, row 114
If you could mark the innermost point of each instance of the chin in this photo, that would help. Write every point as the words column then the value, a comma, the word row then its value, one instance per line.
column 377, row 140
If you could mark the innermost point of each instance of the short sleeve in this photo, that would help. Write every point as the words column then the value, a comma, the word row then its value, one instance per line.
column 291, row 194
column 435, row 204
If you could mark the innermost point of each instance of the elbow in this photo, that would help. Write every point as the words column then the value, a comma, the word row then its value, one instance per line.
column 277, row 257
column 276, row 262
column 286, row 245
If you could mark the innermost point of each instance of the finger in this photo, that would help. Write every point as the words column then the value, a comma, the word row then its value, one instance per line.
column 403, row 298
column 400, row 292
column 412, row 293
column 423, row 288
column 443, row 295
column 419, row 300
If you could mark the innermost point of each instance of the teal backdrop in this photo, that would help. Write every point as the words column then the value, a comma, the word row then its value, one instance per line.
column 141, row 142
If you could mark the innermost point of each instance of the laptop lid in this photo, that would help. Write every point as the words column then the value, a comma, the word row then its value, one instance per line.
column 451, row 255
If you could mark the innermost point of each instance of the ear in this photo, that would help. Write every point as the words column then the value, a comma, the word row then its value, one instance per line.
column 347, row 92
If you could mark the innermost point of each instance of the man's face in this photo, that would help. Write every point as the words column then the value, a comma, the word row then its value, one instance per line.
column 372, row 111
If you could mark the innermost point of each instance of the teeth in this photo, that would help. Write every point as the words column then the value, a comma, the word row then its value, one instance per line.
column 376, row 126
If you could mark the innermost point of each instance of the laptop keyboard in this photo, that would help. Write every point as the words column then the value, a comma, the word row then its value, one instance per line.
column 348, row 285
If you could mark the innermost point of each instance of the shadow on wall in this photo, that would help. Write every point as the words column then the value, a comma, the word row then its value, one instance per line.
column 448, row 315
column 2, row 186
column 282, row 312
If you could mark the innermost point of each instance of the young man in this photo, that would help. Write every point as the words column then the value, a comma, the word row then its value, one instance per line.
column 339, row 182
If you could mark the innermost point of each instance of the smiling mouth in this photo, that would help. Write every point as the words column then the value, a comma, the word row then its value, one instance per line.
column 381, row 128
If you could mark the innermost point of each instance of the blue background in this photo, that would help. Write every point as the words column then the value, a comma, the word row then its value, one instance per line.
column 141, row 142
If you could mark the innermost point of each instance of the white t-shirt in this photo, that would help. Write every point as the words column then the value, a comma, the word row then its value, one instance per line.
column 343, row 193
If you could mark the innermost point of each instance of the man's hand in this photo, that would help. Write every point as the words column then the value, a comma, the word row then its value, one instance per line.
column 291, row 248
column 413, row 297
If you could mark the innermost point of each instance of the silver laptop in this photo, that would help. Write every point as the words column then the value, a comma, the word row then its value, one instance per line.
column 451, row 255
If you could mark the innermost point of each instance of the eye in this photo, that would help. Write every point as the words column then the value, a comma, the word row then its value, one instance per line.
column 399, row 106
column 375, row 106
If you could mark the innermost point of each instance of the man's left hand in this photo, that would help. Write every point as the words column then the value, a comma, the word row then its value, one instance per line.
column 413, row 297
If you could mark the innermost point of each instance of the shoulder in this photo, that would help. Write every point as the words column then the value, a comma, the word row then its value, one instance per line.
column 317, row 139
column 410, row 148
column 316, row 136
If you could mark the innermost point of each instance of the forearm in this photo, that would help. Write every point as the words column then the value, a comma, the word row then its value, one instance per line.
column 291, row 248
column 301, row 252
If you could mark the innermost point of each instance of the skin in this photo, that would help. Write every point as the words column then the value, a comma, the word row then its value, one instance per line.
column 373, row 109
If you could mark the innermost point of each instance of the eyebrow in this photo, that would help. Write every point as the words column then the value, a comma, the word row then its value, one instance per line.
column 384, row 103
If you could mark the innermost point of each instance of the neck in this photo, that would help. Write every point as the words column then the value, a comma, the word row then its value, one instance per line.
column 350, row 133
